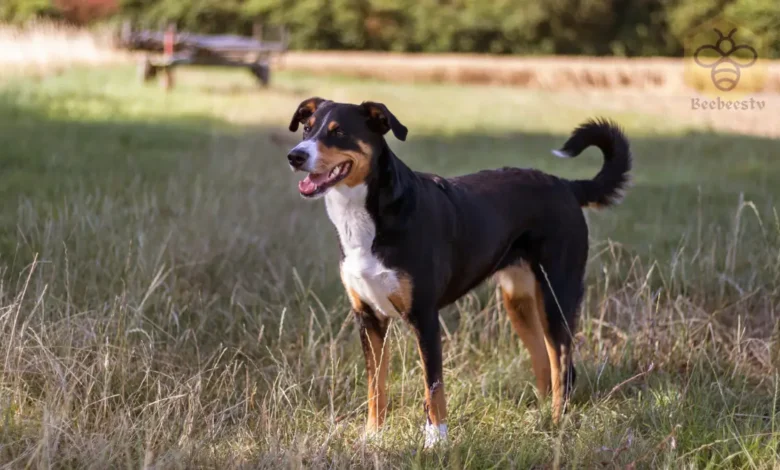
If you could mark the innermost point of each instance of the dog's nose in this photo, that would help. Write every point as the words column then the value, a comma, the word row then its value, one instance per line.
column 297, row 158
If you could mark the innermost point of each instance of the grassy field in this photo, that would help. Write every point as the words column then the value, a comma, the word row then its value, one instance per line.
column 167, row 300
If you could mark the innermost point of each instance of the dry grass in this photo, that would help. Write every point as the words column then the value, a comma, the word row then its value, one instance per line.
column 168, row 301
column 546, row 73
column 649, row 85
column 46, row 47
column 654, row 86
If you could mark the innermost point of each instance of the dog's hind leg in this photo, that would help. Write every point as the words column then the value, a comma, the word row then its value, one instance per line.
column 559, row 302
column 520, row 292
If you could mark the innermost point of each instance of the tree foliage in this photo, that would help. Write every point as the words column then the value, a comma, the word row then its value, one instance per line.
column 593, row 27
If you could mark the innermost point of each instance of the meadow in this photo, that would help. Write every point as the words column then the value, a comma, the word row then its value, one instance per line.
column 167, row 300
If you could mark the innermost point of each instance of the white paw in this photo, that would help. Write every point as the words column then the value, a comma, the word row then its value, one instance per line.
column 435, row 435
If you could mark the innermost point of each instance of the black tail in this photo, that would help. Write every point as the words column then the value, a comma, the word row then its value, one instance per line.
column 608, row 186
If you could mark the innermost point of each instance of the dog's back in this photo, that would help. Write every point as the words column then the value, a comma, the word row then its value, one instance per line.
column 492, row 218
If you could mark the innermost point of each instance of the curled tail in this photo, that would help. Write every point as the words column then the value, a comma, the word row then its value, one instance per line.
column 608, row 186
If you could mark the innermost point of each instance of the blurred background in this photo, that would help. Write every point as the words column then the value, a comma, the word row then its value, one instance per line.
column 167, row 299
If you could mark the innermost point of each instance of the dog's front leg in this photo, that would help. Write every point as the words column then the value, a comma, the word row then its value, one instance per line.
column 376, row 349
column 426, row 326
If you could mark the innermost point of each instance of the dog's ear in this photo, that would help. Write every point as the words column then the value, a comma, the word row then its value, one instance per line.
column 381, row 120
column 304, row 111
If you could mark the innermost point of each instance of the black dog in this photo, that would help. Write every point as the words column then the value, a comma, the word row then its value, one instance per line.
column 412, row 243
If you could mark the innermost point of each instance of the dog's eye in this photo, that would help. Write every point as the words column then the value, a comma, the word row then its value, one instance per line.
column 338, row 132
column 306, row 129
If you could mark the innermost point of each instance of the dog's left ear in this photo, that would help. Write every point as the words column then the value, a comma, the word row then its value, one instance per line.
column 304, row 111
column 381, row 120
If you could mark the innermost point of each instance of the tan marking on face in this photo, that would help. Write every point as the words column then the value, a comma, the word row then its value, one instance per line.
column 402, row 298
column 311, row 105
column 376, row 113
column 329, row 157
column 361, row 165
column 311, row 121
column 332, row 125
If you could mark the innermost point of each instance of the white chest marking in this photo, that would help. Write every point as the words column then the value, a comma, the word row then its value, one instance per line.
column 361, row 271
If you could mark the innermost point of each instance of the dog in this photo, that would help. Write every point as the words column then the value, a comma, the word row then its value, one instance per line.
column 412, row 243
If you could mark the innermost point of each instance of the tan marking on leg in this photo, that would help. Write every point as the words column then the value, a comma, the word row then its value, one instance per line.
column 554, row 353
column 376, row 367
column 354, row 298
column 435, row 401
column 402, row 298
column 565, row 369
column 519, row 288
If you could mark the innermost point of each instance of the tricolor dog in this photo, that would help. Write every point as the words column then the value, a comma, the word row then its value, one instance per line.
column 412, row 243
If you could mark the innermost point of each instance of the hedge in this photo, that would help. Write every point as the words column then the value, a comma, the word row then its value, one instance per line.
column 571, row 27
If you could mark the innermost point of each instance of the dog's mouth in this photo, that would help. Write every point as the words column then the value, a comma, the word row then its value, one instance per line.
column 317, row 183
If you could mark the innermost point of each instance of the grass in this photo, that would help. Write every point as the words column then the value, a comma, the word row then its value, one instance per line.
column 168, row 301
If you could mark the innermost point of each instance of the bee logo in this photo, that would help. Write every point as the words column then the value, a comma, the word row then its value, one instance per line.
column 726, row 62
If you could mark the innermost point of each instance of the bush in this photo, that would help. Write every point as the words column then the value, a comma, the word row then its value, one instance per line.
column 85, row 11
column 593, row 27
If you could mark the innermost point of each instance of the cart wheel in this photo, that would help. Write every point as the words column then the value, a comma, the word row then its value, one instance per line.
column 262, row 72
column 146, row 71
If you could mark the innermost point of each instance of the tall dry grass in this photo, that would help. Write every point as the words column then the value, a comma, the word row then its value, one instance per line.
column 180, row 331
column 547, row 73
column 44, row 46
column 198, row 320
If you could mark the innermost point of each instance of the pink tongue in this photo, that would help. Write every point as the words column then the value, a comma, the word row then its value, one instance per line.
column 306, row 186
column 309, row 184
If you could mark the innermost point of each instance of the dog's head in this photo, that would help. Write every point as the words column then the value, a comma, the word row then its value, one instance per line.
column 340, row 142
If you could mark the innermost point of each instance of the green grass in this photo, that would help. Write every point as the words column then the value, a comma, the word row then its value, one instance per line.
column 168, row 300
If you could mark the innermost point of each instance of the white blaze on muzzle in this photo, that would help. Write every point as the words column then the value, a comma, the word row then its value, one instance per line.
column 309, row 147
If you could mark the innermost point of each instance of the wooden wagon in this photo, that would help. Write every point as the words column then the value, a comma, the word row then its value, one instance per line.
column 176, row 49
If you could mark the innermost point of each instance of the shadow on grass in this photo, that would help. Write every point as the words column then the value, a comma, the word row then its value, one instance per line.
column 685, row 187
column 44, row 155
column 216, row 204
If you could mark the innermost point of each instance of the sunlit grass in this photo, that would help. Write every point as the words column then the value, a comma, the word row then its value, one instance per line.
column 168, row 300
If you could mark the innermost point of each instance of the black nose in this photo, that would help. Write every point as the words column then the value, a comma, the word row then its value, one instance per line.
column 297, row 158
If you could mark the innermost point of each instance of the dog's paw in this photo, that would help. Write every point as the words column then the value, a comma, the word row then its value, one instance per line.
column 435, row 435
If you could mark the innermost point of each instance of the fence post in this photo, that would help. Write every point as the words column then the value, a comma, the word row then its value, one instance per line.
column 169, row 40
column 169, row 48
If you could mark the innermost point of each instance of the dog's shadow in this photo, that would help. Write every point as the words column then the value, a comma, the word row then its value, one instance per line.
column 600, row 383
